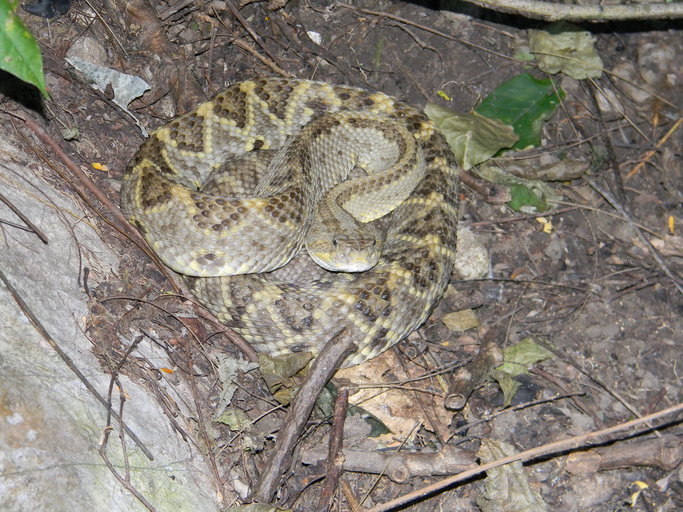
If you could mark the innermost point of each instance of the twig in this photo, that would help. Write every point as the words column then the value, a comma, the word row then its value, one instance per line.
column 112, row 12
column 648, row 155
column 203, row 432
column 553, row 11
column 152, row 37
column 124, row 480
column 89, row 187
column 518, row 218
column 86, row 188
column 547, row 449
column 201, row 312
column 257, row 39
column 416, row 427
column 491, row 192
column 580, row 400
column 464, row 428
column 441, row 431
column 324, row 366
column 607, row 141
column 171, row 10
column 615, row 105
column 268, row 62
column 335, row 458
column 655, row 254
column 609, row 214
column 298, row 36
column 427, row 29
column 24, row 219
column 354, row 504
column 401, row 466
column 665, row 453
column 39, row 327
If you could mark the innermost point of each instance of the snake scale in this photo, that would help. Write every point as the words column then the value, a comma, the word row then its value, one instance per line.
column 197, row 193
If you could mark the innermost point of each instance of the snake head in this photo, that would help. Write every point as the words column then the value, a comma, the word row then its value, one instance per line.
column 347, row 252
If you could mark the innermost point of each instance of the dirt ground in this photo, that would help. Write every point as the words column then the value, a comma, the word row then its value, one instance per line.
column 607, row 306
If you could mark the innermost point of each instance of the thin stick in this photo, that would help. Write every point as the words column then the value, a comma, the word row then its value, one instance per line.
column 265, row 60
column 649, row 154
column 89, row 187
column 655, row 254
column 24, row 219
column 427, row 29
column 335, row 457
column 257, row 39
column 324, row 366
column 518, row 218
column 555, row 447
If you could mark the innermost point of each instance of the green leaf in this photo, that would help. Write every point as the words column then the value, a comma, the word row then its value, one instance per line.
column 517, row 360
column 473, row 138
column 524, row 56
column 529, row 196
column 523, row 198
column 19, row 51
column 565, row 47
column 525, row 103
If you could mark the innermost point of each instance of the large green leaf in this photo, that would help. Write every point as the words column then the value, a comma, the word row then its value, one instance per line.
column 19, row 51
column 525, row 103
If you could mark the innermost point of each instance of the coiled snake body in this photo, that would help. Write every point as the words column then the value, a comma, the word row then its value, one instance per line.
column 333, row 156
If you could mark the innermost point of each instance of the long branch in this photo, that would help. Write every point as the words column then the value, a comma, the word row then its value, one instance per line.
column 546, row 449
column 552, row 11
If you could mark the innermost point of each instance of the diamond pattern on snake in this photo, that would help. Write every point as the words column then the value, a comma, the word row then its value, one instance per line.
column 297, row 208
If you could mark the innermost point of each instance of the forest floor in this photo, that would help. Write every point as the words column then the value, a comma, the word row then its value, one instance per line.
column 596, row 282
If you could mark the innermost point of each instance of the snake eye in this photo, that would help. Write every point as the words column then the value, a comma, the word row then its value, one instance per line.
column 334, row 242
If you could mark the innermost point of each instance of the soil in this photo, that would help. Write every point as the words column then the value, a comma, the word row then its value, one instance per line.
column 604, row 303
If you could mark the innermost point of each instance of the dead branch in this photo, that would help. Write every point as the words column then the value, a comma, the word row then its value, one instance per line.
column 324, row 366
column 335, row 458
column 552, row 11
column 533, row 453
column 401, row 466
column 665, row 452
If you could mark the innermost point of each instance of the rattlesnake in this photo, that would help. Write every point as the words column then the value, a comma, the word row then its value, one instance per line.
column 197, row 193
